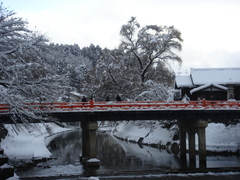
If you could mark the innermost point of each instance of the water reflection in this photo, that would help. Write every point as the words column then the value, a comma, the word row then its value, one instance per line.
column 115, row 156
column 223, row 161
column 119, row 155
column 66, row 148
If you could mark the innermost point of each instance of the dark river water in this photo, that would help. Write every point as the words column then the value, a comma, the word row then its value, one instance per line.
column 119, row 160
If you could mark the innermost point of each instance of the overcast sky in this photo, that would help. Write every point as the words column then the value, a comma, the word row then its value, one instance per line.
column 210, row 28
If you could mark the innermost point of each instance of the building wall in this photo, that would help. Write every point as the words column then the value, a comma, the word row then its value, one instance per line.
column 209, row 95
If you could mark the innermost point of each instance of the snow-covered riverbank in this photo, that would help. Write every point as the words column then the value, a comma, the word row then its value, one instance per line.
column 28, row 141
column 219, row 137
column 24, row 142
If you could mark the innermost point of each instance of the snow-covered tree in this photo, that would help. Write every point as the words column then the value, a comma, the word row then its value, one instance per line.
column 149, row 45
column 25, row 76
column 92, row 53
column 69, row 61
column 97, row 79
column 140, row 59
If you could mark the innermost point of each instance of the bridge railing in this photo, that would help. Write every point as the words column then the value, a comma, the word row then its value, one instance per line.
column 131, row 105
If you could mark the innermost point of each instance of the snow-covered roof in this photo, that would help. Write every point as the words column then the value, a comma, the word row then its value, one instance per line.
column 184, row 81
column 204, row 76
column 208, row 85
column 201, row 76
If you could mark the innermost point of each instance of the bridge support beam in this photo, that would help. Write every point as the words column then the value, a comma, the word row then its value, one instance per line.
column 191, row 128
column 89, row 143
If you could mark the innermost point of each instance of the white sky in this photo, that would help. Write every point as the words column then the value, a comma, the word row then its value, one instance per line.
column 210, row 28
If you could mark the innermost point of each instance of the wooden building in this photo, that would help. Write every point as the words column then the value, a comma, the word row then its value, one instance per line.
column 210, row 84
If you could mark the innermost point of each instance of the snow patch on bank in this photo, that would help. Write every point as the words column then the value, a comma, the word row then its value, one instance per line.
column 27, row 141
column 219, row 137
column 152, row 132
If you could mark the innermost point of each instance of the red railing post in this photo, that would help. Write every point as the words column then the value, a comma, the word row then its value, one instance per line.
column 204, row 103
column 91, row 103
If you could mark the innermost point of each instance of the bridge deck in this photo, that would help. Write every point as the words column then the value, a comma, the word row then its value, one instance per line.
column 152, row 110
column 131, row 105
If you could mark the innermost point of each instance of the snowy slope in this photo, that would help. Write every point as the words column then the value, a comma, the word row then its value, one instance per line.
column 27, row 142
column 152, row 132
column 219, row 137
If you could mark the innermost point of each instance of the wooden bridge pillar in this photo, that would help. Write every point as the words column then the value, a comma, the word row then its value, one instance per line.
column 202, row 146
column 191, row 128
column 89, row 146
column 191, row 142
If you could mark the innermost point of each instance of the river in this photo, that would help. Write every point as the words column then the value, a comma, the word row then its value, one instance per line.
column 118, row 159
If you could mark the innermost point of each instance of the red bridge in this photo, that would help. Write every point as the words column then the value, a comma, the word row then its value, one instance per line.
column 145, row 110
column 192, row 118
column 131, row 105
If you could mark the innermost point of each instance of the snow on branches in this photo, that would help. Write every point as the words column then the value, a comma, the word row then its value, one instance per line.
column 25, row 75
column 149, row 44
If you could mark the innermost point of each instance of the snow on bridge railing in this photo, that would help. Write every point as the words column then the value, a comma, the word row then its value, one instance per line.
column 131, row 105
